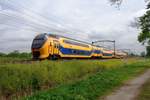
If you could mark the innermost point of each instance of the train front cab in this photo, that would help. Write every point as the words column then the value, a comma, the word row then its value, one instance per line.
column 40, row 47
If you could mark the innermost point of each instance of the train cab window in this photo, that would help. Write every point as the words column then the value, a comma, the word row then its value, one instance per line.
column 57, row 45
column 39, row 41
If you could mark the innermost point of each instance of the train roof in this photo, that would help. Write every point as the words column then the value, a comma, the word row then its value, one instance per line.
column 60, row 36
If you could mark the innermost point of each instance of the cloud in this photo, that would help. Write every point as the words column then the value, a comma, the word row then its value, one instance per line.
column 81, row 19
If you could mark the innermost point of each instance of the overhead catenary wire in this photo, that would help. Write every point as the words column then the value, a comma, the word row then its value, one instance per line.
column 43, row 17
column 33, row 23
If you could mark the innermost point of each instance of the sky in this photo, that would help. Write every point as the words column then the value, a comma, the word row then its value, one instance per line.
column 86, row 20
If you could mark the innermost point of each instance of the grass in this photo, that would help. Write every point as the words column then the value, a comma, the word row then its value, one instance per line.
column 145, row 92
column 10, row 60
column 17, row 77
column 94, row 86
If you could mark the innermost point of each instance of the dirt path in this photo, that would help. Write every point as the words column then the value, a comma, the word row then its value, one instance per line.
column 130, row 90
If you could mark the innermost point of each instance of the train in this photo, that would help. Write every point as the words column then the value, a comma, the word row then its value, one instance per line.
column 52, row 46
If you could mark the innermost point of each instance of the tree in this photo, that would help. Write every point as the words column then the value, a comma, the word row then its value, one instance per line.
column 120, row 1
column 148, row 51
column 144, row 36
column 143, row 54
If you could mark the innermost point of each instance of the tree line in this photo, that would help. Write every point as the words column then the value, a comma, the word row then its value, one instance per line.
column 17, row 54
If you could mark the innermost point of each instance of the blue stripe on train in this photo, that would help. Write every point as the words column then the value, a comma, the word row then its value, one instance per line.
column 97, row 51
column 69, row 51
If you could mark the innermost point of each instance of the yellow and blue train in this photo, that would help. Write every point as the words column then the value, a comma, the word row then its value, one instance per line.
column 51, row 46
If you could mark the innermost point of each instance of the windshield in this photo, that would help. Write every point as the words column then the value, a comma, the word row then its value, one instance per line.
column 39, row 41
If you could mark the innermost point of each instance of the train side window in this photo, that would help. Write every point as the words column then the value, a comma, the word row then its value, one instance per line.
column 77, row 52
column 74, row 52
column 82, row 52
column 55, row 45
column 58, row 46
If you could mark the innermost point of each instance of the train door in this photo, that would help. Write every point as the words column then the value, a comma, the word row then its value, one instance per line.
column 56, row 48
column 50, row 48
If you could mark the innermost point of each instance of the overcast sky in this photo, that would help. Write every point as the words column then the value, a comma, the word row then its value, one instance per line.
column 88, row 20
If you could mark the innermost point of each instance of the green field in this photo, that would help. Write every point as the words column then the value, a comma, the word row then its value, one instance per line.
column 65, row 79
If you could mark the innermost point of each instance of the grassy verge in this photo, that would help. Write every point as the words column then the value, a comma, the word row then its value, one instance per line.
column 145, row 92
column 29, row 77
column 93, row 86
column 34, row 76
